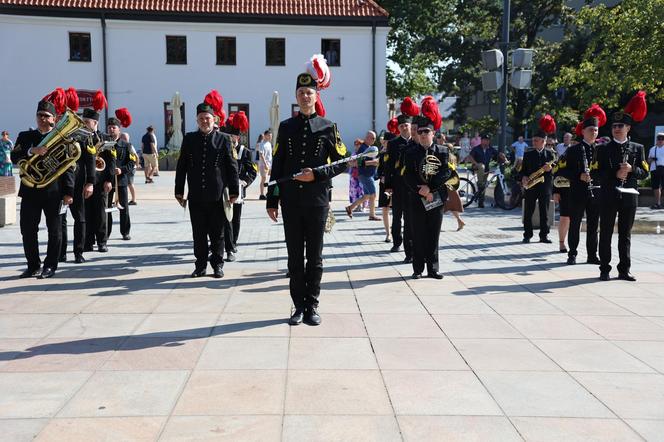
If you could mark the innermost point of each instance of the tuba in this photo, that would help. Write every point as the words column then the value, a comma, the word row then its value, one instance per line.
column 62, row 152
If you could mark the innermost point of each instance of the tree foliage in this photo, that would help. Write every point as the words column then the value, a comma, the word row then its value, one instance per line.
column 623, row 53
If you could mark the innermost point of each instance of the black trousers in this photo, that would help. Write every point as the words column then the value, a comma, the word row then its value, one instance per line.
column 96, row 218
column 530, row 198
column 125, row 222
column 78, row 212
column 304, row 230
column 426, row 234
column 625, row 214
column 229, row 243
column 401, row 209
column 207, row 219
column 31, row 211
column 577, row 208
column 237, row 215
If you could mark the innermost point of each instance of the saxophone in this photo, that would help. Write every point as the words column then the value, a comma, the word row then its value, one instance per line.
column 62, row 152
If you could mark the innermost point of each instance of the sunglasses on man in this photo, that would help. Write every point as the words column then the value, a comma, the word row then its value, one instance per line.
column 44, row 115
column 424, row 131
column 618, row 125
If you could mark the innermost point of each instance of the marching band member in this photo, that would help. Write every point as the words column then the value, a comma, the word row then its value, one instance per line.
column 425, row 175
column 47, row 199
column 83, row 188
column 125, row 162
column 581, row 165
column 538, row 161
column 621, row 164
column 304, row 142
column 208, row 166
column 236, row 124
column 394, row 183
column 95, row 207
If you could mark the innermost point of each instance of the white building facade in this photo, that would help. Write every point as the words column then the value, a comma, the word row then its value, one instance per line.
column 127, row 57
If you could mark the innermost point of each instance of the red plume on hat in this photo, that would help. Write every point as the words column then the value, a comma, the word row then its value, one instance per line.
column 59, row 99
column 393, row 126
column 239, row 121
column 72, row 99
column 99, row 101
column 547, row 124
column 595, row 111
column 216, row 102
column 637, row 107
column 431, row 111
column 317, row 67
column 578, row 130
column 409, row 107
column 124, row 116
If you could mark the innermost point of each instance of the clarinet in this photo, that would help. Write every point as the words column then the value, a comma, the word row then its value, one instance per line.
column 586, row 169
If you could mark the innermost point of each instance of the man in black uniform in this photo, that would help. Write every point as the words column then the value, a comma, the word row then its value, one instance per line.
column 581, row 163
column 533, row 160
column 620, row 166
column 425, row 175
column 47, row 199
column 83, row 189
column 208, row 167
column 394, row 184
column 247, row 171
column 304, row 142
column 125, row 162
column 95, row 207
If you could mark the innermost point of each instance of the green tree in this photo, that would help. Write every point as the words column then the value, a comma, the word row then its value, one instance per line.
column 623, row 53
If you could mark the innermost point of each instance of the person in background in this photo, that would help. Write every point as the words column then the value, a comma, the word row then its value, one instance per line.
column 464, row 148
column 354, row 187
column 6, row 147
column 481, row 156
column 256, row 148
column 519, row 147
column 384, row 200
column 656, row 159
column 561, row 148
column 149, row 151
column 124, row 136
column 265, row 161
column 366, row 171
column 476, row 140
column 453, row 203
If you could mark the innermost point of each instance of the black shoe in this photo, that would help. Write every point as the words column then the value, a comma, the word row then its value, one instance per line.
column 29, row 273
column 604, row 276
column 198, row 273
column 416, row 275
column 131, row 203
column 435, row 275
column 311, row 316
column 545, row 240
column 126, row 237
column 78, row 259
column 218, row 272
column 47, row 273
column 262, row 197
column 526, row 240
column 62, row 259
column 571, row 260
column 102, row 249
column 593, row 260
column 408, row 260
column 297, row 317
column 87, row 249
column 230, row 257
column 395, row 249
column 626, row 276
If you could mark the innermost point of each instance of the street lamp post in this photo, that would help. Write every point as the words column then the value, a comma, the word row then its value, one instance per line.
column 502, row 142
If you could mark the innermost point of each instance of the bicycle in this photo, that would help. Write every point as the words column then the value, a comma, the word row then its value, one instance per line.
column 507, row 192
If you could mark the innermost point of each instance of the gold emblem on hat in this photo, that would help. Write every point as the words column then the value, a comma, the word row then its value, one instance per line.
column 618, row 116
column 305, row 79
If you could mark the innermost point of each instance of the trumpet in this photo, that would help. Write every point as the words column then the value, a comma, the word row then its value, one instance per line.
column 100, row 147
column 537, row 177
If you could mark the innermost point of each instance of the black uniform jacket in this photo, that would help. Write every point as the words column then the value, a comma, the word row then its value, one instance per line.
column 247, row 169
column 415, row 160
column 64, row 185
column 85, row 166
column 207, row 164
column 609, row 157
column 533, row 160
column 125, row 161
column 305, row 141
column 395, row 161
column 574, row 167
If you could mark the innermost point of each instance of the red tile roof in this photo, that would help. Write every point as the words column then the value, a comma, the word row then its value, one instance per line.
column 320, row 8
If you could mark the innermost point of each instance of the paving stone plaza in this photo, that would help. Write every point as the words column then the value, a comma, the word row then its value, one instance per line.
column 511, row 345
